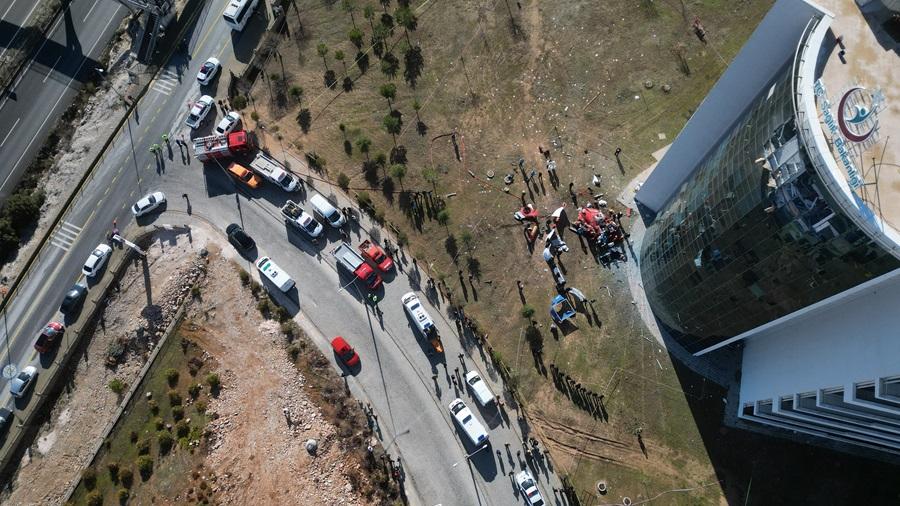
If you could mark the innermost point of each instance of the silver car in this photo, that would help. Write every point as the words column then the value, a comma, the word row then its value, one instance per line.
column 148, row 204
column 23, row 381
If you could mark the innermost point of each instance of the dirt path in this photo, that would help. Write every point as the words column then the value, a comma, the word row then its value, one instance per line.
column 256, row 456
column 77, row 421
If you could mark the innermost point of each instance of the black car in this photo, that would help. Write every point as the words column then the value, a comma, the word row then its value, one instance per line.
column 74, row 299
column 238, row 238
column 6, row 416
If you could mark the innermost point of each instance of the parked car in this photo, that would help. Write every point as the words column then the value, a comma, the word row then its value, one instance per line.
column 208, row 71
column 23, row 381
column 96, row 260
column 228, row 124
column 238, row 238
column 199, row 111
column 345, row 352
column 468, row 423
column 6, row 416
column 529, row 489
column 148, row 204
column 73, row 300
column 49, row 337
column 326, row 210
column 299, row 218
column 244, row 175
column 480, row 390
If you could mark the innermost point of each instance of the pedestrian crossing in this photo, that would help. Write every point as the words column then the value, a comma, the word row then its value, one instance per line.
column 166, row 82
column 65, row 235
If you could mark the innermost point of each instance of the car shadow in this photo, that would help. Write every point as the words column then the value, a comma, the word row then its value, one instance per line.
column 425, row 344
column 345, row 369
column 22, row 402
column 46, row 359
column 289, row 300
column 149, row 219
column 484, row 460
column 490, row 413
column 246, row 41
column 304, row 242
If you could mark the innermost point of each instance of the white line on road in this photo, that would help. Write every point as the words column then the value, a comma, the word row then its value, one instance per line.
column 89, row 11
column 9, row 9
column 51, row 69
column 58, row 100
column 20, row 26
column 31, row 61
column 60, row 246
column 70, row 225
column 10, row 131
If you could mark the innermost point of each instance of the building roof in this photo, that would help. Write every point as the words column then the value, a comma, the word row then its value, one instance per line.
column 861, row 117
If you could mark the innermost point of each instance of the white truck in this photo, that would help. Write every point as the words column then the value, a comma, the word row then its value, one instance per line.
column 274, row 171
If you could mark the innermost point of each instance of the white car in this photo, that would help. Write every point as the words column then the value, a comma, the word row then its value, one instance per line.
column 199, row 111
column 468, row 423
column 20, row 384
column 228, row 123
column 97, row 260
column 148, row 204
column 309, row 225
column 529, row 488
column 208, row 71
column 479, row 388
column 417, row 313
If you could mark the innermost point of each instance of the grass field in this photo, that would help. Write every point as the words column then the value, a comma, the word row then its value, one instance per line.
column 500, row 80
column 138, row 433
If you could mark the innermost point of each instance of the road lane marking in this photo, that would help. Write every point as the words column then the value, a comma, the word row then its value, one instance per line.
column 9, row 9
column 10, row 131
column 9, row 44
column 51, row 69
column 31, row 61
column 61, row 95
column 89, row 11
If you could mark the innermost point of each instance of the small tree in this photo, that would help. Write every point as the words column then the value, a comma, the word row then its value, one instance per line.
column 322, row 50
column 356, row 37
column 126, row 477
column 369, row 14
column 172, row 376
column 405, row 18
column 388, row 91
column 467, row 240
column 527, row 312
column 390, row 64
column 94, row 498
column 89, row 478
column 165, row 440
column 212, row 379
column 339, row 56
column 304, row 119
column 117, row 386
column 443, row 217
column 392, row 125
column 363, row 144
column 431, row 176
column 296, row 92
column 349, row 6
column 398, row 170
column 145, row 466
column 343, row 181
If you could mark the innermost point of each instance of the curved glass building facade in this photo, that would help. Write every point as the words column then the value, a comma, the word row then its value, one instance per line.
column 752, row 234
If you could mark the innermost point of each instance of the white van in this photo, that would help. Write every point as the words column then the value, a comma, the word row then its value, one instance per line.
column 468, row 423
column 273, row 273
column 326, row 210
column 479, row 388
column 238, row 12
column 418, row 314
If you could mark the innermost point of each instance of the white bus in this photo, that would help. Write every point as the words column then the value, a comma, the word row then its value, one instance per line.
column 239, row 12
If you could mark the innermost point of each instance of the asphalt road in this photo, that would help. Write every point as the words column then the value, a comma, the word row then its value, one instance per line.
column 47, row 85
column 396, row 376
column 13, row 17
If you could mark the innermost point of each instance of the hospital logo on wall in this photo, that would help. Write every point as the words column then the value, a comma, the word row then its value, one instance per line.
column 857, row 115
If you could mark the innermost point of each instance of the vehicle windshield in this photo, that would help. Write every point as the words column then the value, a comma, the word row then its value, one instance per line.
column 378, row 257
column 347, row 353
column 247, row 176
column 528, row 483
column 151, row 199
column 456, row 408
column 415, row 306
column 208, row 66
column 474, row 380
column 22, row 376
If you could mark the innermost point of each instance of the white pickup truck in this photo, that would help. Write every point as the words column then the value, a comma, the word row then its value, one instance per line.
column 299, row 218
column 274, row 171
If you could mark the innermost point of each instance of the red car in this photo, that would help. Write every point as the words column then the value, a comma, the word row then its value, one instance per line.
column 345, row 352
column 49, row 337
column 376, row 255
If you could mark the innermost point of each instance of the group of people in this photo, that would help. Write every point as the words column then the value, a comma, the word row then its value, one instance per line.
column 583, row 397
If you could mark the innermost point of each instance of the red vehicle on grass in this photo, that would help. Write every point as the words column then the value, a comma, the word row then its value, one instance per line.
column 49, row 337
column 345, row 352
column 376, row 255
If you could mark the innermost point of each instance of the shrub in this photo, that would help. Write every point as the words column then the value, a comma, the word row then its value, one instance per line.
column 159, row 423
column 133, row 436
column 212, row 379
column 239, row 102
column 288, row 329
column 89, row 478
column 94, row 498
column 174, row 398
column 172, row 376
column 145, row 466
column 343, row 181
column 527, row 311
column 254, row 116
column 245, row 277
column 123, row 495
column 264, row 307
column 165, row 441
column 194, row 390
column 195, row 291
column 154, row 406
column 126, row 477
column 364, row 200
column 255, row 287
column 113, row 468
column 143, row 447
column 281, row 314
column 177, row 413
column 182, row 429
column 402, row 239
column 201, row 406
column 117, row 386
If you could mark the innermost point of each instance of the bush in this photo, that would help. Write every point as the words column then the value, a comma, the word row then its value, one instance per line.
column 195, row 292
column 174, row 398
column 182, row 429
column 245, row 277
column 287, row 328
column 527, row 311
column 154, row 406
column 281, row 314
column 264, row 306
column 254, row 116
column 145, row 466
column 143, row 447
column 194, row 390
column 117, row 386
column 364, row 200
column 113, row 468
column 212, row 379
column 239, row 102
column 123, row 495
column 294, row 352
column 159, row 423
column 343, row 181
column 255, row 287
column 126, row 477
column 133, row 436
column 89, row 478
column 200, row 406
column 172, row 376
column 177, row 413
column 94, row 498
column 165, row 441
